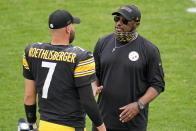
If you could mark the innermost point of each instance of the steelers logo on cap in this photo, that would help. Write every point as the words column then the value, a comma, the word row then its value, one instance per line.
column 51, row 26
column 133, row 56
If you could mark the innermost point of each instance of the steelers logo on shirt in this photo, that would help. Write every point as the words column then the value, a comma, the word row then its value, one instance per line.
column 133, row 56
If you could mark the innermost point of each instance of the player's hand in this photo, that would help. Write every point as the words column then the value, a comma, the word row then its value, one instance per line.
column 129, row 111
column 33, row 127
column 97, row 90
column 101, row 127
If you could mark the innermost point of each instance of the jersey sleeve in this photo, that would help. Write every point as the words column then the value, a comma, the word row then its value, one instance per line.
column 26, row 69
column 84, row 72
column 155, row 71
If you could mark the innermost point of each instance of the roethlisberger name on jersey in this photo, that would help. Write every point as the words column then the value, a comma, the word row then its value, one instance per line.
column 52, row 55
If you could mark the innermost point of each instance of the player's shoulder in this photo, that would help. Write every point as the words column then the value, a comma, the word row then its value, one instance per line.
column 36, row 45
column 81, row 52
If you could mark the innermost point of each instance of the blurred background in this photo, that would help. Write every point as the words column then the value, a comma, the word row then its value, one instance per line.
column 166, row 23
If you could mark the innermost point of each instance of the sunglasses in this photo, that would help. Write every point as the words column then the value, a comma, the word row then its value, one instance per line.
column 117, row 18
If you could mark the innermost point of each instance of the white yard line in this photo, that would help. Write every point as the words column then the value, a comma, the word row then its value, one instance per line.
column 191, row 10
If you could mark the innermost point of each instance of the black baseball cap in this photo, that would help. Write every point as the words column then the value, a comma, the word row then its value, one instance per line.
column 61, row 18
column 130, row 12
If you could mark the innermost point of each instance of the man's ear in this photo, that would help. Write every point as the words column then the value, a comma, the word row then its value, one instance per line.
column 68, row 29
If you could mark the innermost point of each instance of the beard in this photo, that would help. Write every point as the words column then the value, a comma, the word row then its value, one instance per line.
column 72, row 36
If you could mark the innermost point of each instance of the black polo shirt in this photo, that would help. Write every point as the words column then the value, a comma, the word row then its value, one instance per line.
column 126, row 71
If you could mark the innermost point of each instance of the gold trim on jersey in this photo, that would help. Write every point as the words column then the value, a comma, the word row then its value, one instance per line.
column 86, row 60
column 25, row 63
column 84, row 73
column 84, row 68
column 48, row 126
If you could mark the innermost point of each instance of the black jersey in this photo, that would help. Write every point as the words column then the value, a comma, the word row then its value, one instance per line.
column 126, row 72
column 58, row 70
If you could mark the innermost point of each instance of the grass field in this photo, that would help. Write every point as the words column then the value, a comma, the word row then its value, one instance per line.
column 164, row 22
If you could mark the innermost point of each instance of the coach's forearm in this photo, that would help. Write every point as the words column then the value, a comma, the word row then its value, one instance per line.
column 150, row 94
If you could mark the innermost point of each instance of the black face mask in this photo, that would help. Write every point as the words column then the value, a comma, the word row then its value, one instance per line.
column 125, row 37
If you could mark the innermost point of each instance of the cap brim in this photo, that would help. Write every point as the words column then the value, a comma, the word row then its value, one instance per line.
column 121, row 13
column 76, row 20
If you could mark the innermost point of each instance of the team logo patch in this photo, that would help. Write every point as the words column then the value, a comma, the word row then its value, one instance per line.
column 133, row 56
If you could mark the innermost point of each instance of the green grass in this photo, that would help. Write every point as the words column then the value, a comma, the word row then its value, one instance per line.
column 164, row 22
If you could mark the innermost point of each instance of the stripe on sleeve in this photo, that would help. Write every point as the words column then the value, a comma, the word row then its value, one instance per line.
column 85, row 68
column 25, row 63
column 86, row 60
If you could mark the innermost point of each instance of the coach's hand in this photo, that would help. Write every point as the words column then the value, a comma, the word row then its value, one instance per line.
column 128, row 112
column 98, row 90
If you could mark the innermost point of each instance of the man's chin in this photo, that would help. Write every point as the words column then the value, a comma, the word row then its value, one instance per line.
column 118, row 30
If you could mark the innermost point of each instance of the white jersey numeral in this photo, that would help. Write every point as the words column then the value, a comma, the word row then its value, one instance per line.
column 51, row 67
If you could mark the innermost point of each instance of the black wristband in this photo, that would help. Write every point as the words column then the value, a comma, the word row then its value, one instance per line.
column 30, row 113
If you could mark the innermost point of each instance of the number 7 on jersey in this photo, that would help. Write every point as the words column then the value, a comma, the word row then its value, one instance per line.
column 46, row 86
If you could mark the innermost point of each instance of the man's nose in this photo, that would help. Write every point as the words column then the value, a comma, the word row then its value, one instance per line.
column 119, row 23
